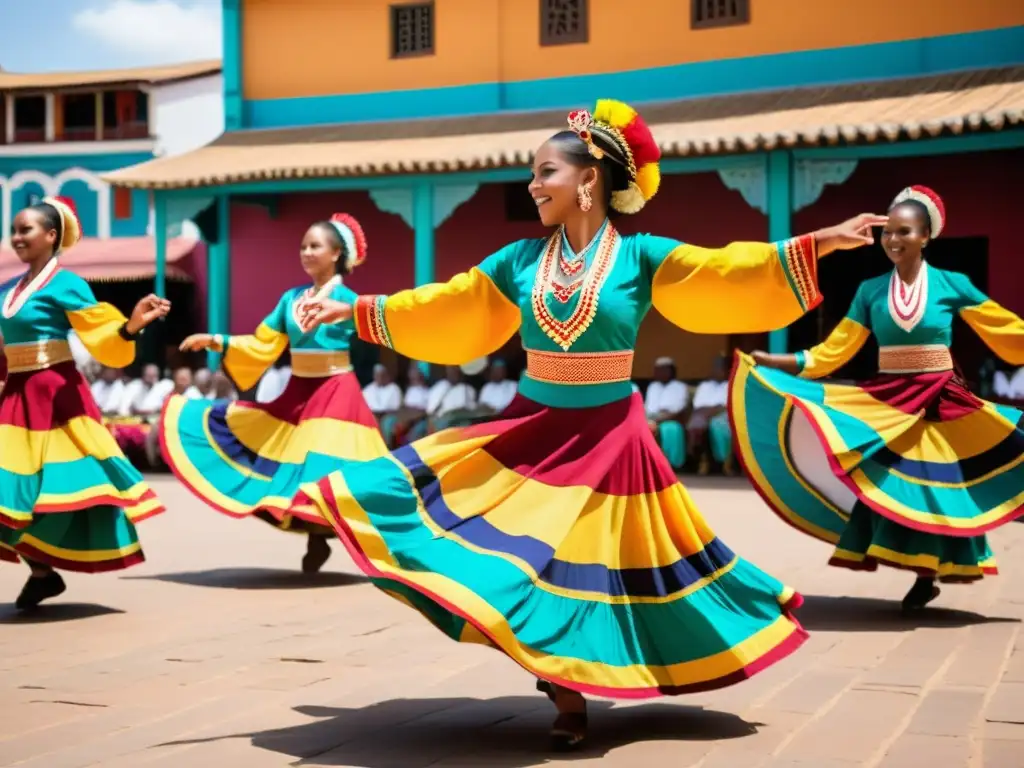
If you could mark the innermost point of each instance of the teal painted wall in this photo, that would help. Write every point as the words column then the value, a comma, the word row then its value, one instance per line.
column 910, row 58
column 78, row 190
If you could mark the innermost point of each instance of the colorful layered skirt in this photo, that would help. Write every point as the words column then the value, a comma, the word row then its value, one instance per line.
column 908, row 471
column 68, row 496
column 562, row 538
column 249, row 459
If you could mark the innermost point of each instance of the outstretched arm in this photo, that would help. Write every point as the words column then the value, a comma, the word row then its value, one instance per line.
column 1000, row 329
column 448, row 323
column 746, row 287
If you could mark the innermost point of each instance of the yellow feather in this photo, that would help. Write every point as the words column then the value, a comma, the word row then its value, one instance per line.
column 614, row 113
column 648, row 178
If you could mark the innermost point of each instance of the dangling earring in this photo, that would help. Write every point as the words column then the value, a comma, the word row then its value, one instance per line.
column 583, row 197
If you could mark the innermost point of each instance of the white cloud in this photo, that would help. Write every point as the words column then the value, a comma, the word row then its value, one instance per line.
column 155, row 31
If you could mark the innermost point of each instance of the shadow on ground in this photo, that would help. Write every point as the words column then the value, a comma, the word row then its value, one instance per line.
column 867, row 614
column 51, row 613
column 508, row 732
column 255, row 579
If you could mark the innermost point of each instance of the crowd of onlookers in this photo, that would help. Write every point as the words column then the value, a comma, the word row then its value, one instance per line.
column 689, row 422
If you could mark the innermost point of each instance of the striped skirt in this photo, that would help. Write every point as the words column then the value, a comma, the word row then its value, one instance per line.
column 563, row 539
column 248, row 459
column 904, row 471
column 68, row 496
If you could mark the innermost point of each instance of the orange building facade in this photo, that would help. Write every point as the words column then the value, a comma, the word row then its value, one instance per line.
column 420, row 118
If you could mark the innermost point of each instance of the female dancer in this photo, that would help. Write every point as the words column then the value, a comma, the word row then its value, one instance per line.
column 559, row 533
column 908, row 470
column 69, row 499
column 248, row 459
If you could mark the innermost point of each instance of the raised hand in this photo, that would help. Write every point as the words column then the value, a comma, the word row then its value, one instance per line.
column 317, row 312
column 197, row 342
column 146, row 311
column 852, row 233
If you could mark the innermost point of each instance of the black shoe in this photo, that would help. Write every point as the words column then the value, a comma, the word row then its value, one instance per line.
column 569, row 731
column 317, row 553
column 922, row 593
column 39, row 588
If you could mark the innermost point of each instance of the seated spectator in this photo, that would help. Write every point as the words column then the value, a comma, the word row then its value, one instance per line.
column 202, row 380
column 109, row 391
column 665, row 404
column 499, row 391
column 708, row 430
column 450, row 400
column 223, row 389
column 145, row 397
column 413, row 413
column 384, row 399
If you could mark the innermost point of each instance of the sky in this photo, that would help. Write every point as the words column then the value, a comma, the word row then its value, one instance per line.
column 78, row 35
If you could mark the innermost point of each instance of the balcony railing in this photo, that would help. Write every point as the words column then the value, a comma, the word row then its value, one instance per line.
column 138, row 129
column 78, row 133
column 29, row 135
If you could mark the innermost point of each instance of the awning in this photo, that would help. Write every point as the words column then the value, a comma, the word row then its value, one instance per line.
column 980, row 100
column 116, row 259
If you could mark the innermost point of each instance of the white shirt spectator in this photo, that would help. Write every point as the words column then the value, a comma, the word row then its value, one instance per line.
column 496, row 395
column 148, row 400
column 416, row 397
column 272, row 384
column 671, row 397
column 1009, row 386
column 108, row 395
column 444, row 397
column 383, row 399
column 711, row 394
column 193, row 393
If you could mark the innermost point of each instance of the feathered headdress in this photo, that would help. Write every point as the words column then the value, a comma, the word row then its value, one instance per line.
column 622, row 124
column 352, row 236
column 930, row 200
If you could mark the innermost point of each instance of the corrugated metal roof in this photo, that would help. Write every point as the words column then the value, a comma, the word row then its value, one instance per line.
column 979, row 100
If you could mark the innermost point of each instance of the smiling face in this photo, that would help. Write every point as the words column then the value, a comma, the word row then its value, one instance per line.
column 556, row 184
column 320, row 252
column 905, row 233
column 30, row 237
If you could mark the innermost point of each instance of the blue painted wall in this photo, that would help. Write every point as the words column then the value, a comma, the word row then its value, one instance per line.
column 910, row 58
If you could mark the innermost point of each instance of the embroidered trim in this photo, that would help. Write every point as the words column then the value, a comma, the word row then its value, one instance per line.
column 800, row 255
column 579, row 368
column 370, row 323
column 565, row 333
column 918, row 358
column 37, row 355
column 309, row 364
column 21, row 293
column 907, row 303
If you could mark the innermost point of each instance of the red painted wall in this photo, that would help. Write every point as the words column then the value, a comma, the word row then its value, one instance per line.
column 981, row 192
column 695, row 208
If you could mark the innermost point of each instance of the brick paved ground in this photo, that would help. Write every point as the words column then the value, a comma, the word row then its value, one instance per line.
column 217, row 653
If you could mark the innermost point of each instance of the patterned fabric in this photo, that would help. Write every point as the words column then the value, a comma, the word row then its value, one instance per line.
column 562, row 538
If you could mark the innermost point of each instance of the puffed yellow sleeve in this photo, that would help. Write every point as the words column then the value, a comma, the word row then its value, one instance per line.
column 247, row 358
column 741, row 288
column 444, row 323
column 842, row 345
column 1000, row 329
column 97, row 324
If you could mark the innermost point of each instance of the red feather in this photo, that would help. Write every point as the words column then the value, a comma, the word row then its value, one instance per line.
column 641, row 142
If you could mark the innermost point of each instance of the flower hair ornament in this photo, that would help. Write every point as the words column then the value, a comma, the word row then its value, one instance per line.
column 931, row 202
column 620, row 124
column 352, row 236
column 70, row 226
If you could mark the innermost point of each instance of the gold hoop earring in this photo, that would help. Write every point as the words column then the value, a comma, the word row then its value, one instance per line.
column 584, row 198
